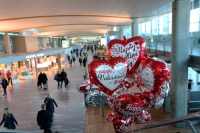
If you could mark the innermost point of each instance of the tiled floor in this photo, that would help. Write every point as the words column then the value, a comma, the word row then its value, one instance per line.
column 25, row 99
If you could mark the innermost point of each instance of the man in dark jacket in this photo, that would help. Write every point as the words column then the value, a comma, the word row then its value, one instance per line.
column 44, row 119
column 84, row 61
column 63, row 75
column 40, row 80
column 45, row 80
column 4, row 85
column 8, row 120
column 80, row 60
column 58, row 78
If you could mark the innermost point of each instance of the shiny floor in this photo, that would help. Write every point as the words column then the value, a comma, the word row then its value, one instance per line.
column 25, row 98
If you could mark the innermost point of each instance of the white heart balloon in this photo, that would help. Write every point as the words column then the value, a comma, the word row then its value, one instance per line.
column 110, row 77
column 147, row 77
column 131, row 52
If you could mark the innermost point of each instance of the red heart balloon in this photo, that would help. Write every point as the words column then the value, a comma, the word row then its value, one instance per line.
column 129, row 105
column 153, row 74
column 133, row 49
column 121, row 124
column 108, row 74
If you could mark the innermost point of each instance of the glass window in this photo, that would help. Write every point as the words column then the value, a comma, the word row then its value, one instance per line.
column 194, row 20
column 148, row 27
column 165, row 24
column 140, row 29
column 155, row 26
column 161, row 26
column 143, row 28
column 170, row 23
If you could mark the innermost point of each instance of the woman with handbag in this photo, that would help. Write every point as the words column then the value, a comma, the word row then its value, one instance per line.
column 8, row 120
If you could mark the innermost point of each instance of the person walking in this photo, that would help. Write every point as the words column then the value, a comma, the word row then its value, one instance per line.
column 84, row 61
column 39, row 83
column 77, row 54
column 74, row 59
column 68, row 58
column 4, row 85
column 80, row 60
column 63, row 75
column 44, row 80
column 71, row 62
column 57, row 78
column 50, row 102
column 8, row 120
column 9, row 77
column 44, row 119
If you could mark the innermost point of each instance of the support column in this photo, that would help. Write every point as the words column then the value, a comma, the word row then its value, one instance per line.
column 7, row 44
column 121, row 34
column 36, row 70
column 134, row 28
column 44, row 44
column 54, row 45
column 58, row 59
column 179, row 65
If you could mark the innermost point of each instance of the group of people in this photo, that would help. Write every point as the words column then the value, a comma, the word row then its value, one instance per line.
column 60, row 78
column 42, row 80
column 44, row 116
column 82, row 59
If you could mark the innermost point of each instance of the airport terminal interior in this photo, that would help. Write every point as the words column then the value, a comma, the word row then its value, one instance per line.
column 100, row 66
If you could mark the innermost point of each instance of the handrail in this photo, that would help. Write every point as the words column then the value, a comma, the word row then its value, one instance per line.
column 170, row 121
column 13, row 131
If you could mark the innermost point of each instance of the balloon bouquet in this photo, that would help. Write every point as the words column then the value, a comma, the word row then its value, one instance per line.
column 127, row 65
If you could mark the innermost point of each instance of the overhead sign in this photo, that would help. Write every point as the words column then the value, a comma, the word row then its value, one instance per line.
column 34, row 55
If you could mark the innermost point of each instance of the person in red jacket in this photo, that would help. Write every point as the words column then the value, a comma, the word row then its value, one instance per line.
column 9, row 77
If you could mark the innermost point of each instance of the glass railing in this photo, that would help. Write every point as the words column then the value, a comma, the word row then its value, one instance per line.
column 13, row 131
column 193, row 116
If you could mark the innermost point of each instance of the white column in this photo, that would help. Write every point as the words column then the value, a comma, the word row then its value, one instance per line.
column 179, row 53
column 7, row 44
column 134, row 28
column 36, row 70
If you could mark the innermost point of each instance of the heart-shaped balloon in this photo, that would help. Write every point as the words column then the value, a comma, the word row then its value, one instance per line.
column 133, row 50
column 121, row 124
column 153, row 75
column 129, row 105
column 108, row 74
column 120, row 90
